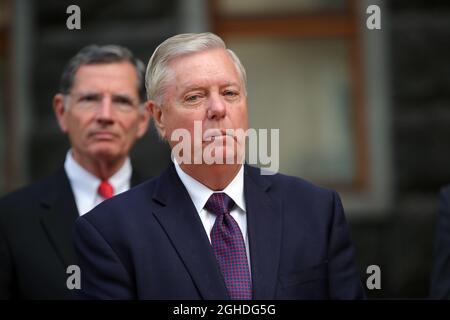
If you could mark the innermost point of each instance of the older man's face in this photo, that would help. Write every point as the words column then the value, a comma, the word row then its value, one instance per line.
column 206, row 88
column 103, row 118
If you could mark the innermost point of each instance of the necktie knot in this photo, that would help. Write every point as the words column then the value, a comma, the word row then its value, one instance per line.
column 219, row 203
column 105, row 189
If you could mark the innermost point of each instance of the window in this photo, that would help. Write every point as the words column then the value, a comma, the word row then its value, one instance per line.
column 305, row 78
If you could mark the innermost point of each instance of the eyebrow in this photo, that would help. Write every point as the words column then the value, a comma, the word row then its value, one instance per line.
column 82, row 95
column 94, row 93
column 125, row 97
column 192, row 87
column 230, row 83
column 121, row 95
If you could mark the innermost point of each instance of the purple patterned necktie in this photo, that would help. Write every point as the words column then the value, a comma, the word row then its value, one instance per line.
column 229, row 248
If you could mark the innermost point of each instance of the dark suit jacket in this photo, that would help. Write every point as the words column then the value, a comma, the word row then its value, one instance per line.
column 36, row 244
column 440, row 277
column 149, row 243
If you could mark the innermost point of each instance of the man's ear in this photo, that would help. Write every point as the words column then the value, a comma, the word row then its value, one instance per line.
column 145, row 115
column 60, row 111
column 158, row 117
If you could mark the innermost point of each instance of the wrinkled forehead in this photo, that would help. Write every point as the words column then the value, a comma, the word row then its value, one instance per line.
column 119, row 76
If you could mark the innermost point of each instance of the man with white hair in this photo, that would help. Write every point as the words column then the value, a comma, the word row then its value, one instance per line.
column 220, row 229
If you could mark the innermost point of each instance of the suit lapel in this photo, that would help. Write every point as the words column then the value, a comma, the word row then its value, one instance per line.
column 182, row 224
column 60, row 213
column 264, row 231
column 59, row 217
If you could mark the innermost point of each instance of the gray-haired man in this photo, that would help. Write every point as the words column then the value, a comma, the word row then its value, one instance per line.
column 101, row 109
column 213, row 230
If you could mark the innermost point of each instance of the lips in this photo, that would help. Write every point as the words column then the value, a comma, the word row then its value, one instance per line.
column 212, row 134
column 104, row 135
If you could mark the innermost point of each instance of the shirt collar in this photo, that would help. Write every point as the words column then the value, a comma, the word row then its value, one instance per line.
column 200, row 193
column 86, row 183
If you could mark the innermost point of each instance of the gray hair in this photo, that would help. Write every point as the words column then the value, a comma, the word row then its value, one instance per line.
column 157, row 76
column 94, row 54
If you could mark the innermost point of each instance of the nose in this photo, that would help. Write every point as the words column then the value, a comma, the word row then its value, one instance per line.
column 217, row 108
column 105, row 111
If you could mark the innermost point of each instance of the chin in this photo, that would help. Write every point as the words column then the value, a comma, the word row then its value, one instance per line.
column 108, row 153
column 230, row 157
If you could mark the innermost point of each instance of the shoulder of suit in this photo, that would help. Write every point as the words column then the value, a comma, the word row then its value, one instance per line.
column 27, row 196
column 445, row 191
column 287, row 182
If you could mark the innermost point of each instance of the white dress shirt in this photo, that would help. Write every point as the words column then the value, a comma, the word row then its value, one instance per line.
column 200, row 194
column 84, row 184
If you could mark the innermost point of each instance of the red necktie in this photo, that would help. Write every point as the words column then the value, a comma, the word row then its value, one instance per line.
column 105, row 189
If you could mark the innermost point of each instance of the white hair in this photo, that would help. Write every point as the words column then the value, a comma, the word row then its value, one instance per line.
column 158, row 73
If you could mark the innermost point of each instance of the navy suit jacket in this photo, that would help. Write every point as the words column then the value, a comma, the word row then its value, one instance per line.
column 36, row 245
column 149, row 243
column 440, row 277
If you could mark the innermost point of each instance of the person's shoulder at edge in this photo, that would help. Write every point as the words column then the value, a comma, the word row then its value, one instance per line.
column 445, row 191
column 28, row 195
column 444, row 199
